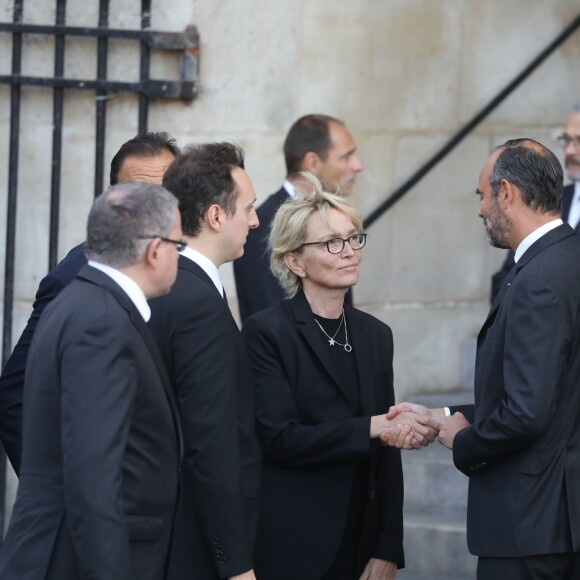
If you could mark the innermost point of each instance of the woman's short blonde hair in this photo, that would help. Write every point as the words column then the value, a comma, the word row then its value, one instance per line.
column 289, row 227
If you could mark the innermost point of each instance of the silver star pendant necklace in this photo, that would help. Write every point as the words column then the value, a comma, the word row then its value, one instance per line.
column 331, row 339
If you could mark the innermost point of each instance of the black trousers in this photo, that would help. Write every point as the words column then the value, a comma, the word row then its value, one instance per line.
column 546, row 567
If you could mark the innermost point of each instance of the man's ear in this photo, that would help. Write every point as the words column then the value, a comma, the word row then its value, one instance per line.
column 213, row 217
column 152, row 253
column 507, row 193
column 311, row 162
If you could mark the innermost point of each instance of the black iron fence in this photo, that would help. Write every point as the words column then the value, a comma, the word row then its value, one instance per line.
column 184, row 44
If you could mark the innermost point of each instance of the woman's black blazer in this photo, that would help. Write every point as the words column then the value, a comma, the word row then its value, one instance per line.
column 311, row 439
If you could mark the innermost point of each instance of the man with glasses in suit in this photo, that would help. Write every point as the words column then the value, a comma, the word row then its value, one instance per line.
column 145, row 157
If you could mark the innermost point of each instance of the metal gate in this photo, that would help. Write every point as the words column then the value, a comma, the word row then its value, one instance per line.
column 186, row 47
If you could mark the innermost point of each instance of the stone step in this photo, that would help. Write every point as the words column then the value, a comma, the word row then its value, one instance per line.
column 431, row 479
column 461, row 397
column 435, row 508
column 435, row 545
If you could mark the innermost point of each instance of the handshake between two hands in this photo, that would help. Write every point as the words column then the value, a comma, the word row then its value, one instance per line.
column 412, row 426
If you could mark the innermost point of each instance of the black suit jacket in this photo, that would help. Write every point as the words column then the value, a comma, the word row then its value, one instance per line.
column 99, row 476
column 311, row 440
column 498, row 278
column 208, row 366
column 12, row 379
column 522, row 451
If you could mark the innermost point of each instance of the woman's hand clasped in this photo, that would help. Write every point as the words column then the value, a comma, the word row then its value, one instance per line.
column 407, row 426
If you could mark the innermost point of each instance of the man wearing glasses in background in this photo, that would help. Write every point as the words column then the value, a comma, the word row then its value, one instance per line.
column 570, row 142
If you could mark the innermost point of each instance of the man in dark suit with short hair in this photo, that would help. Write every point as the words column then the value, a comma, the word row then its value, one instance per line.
column 208, row 366
column 323, row 146
column 520, row 443
column 99, row 478
column 143, row 158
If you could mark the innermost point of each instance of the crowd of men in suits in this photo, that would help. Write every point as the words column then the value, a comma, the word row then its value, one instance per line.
column 130, row 466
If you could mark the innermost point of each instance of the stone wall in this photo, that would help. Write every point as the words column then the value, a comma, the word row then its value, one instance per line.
column 403, row 74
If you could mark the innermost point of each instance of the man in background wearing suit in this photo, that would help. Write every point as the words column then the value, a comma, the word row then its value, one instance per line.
column 208, row 366
column 520, row 443
column 101, row 454
column 143, row 158
column 323, row 146
column 570, row 142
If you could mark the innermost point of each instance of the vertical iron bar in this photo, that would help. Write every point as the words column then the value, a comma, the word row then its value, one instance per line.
column 144, row 65
column 102, row 54
column 12, row 185
column 11, row 223
column 58, row 97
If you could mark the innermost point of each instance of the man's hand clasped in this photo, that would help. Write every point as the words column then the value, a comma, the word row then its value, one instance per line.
column 411, row 426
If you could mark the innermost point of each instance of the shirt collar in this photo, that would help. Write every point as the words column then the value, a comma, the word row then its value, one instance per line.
column 534, row 236
column 290, row 190
column 206, row 265
column 128, row 285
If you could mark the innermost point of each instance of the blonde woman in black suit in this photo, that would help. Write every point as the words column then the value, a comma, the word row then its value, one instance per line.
column 331, row 497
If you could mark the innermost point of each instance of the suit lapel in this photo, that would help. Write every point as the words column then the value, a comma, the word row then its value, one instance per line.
column 193, row 267
column 101, row 279
column 305, row 318
column 567, row 197
column 552, row 237
column 363, row 357
column 496, row 303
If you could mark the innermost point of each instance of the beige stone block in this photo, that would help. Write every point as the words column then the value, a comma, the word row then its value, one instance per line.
column 264, row 162
column 399, row 61
column 78, row 177
column 428, row 343
column 516, row 36
column 4, row 158
column 335, row 47
column 376, row 182
column 85, row 13
column 413, row 64
column 173, row 15
column 249, row 59
column 36, row 12
column 432, row 246
column 6, row 54
column 33, row 207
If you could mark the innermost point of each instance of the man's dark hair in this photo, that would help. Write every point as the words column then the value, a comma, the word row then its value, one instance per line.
column 142, row 145
column 308, row 134
column 201, row 177
column 534, row 170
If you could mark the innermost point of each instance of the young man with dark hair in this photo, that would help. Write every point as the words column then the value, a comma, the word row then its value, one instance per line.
column 208, row 365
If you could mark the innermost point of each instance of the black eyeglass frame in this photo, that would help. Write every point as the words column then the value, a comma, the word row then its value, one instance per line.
column 180, row 245
column 362, row 237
